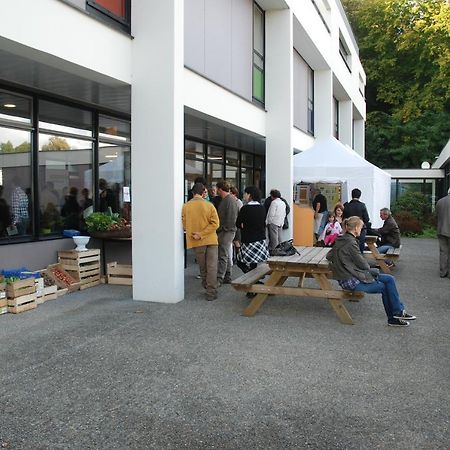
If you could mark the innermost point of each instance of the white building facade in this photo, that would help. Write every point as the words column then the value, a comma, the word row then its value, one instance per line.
column 147, row 95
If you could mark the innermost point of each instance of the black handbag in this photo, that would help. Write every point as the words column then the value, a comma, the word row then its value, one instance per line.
column 285, row 248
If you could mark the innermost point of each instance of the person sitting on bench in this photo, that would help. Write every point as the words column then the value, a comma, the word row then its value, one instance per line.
column 353, row 273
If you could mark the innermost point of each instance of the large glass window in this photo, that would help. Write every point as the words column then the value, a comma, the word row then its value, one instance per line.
column 65, row 182
column 50, row 187
column 258, row 54
column 114, row 171
column 16, row 205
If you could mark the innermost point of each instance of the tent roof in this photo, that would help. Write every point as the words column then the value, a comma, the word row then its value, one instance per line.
column 330, row 153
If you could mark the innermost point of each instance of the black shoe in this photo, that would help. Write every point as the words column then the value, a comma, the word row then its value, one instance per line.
column 444, row 276
column 389, row 263
column 404, row 316
column 250, row 294
column 227, row 281
column 211, row 297
column 398, row 323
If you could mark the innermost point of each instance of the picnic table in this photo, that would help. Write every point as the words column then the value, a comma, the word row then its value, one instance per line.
column 375, row 254
column 311, row 262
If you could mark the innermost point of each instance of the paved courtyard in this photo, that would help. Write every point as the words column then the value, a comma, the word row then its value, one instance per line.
column 96, row 370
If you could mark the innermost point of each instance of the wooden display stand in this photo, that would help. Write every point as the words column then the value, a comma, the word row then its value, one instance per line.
column 119, row 274
column 21, row 296
column 83, row 266
column 303, row 225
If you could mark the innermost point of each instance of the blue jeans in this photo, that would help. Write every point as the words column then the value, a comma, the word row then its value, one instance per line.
column 384, row 248
column 385, row 285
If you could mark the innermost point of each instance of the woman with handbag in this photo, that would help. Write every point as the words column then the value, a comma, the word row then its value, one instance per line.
column 353, row 272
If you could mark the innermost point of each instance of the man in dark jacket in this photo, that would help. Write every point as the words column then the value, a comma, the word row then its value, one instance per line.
column 228, row 212
column 357, row 208
column 353, row 272
column 389, row 232
column 443, row 232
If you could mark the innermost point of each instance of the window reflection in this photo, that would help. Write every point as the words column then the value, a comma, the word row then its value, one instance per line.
column 114, row 179
column 65, row 183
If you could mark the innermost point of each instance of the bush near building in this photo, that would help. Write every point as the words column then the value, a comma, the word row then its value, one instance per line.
column 413, row 214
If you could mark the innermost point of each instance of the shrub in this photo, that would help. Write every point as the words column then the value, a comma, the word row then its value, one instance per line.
column 414, row 203
column 408, row 224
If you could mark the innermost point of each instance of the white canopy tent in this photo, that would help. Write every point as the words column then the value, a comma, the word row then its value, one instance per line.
column 329, row 161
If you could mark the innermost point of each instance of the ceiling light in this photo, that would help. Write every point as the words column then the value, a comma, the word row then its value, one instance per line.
column 9, row 105
column 110, row 156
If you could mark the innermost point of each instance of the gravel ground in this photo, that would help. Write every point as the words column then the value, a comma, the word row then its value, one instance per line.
column 94, row 369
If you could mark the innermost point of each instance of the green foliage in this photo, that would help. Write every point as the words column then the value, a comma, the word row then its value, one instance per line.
column 98, row 221
column 414, row 203
column 8, row 147
column 405, row 50
column 56, row 143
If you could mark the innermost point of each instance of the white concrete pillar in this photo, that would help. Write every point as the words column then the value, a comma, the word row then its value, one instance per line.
column 323, row 104
column 359, row 137
column 279, row 104
column 157, row 152
column 346, row 122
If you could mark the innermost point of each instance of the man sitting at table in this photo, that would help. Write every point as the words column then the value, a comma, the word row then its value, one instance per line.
column 389, row 232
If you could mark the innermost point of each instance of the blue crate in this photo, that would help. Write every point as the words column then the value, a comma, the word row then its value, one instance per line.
column 21, row 273
column 71, row 233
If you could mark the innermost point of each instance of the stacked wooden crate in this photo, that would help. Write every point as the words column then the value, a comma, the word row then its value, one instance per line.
column 21, row 295
column 3, row 301
column 83, row 266
column 120, row 274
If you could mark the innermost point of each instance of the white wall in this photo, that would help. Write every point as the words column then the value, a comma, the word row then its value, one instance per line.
column 69, row 37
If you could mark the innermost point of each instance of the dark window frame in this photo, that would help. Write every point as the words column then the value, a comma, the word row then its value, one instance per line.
column 108, row 16
column 256, row 100
column 34, row 129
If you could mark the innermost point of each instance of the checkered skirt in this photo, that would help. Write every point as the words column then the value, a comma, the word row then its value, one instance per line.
column 254, row 252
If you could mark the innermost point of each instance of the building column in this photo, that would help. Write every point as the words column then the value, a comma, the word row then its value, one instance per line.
column 323, row 104
column 278, row 103
column 359, row 137
column 346, row 122
column 157, row 158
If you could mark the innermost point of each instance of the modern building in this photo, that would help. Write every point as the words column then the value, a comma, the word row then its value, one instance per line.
column 102, row 97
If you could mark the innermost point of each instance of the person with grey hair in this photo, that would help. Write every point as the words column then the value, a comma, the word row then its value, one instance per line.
column 389, row 232
column 443, row 232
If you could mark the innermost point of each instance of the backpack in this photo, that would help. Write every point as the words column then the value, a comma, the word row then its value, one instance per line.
column 284, row 249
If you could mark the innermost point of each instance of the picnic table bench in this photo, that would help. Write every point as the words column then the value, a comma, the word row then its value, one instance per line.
column 312, row 263
column 373, row 253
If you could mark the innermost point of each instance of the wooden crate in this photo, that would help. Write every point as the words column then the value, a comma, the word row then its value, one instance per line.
column 47, row 293
column 71, row 285
column 20, row 288
column 3, row 306
column 23, row 303
column 83, row 266
column 119, row 274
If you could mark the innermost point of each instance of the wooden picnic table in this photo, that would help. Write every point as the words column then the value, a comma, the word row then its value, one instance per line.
column 311, row 262
column 375, row 254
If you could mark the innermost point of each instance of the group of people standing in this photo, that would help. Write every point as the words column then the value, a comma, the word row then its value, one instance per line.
column 214, row 227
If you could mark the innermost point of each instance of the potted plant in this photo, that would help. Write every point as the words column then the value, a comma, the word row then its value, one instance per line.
column 107, row 225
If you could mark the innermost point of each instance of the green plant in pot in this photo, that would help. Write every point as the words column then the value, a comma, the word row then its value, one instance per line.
column 107, row 225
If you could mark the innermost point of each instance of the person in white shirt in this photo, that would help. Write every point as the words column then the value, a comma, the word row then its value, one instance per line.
column 275, row 218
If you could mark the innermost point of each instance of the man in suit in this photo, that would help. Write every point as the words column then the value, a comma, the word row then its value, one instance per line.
column 443, row 232
column 355, row 207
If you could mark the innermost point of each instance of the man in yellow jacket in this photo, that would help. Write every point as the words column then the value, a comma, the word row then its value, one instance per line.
column 200, row 222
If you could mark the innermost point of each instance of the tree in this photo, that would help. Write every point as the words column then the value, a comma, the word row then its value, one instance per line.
column 405, row 50
column 56, row 143
column 7, row 147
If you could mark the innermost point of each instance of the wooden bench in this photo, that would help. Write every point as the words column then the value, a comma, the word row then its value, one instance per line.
column 282, row 268
column 393, row 253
